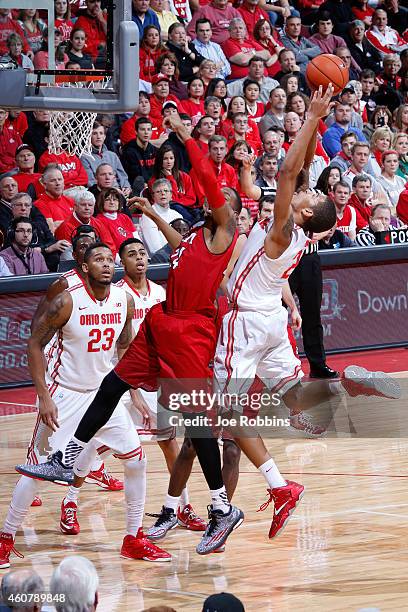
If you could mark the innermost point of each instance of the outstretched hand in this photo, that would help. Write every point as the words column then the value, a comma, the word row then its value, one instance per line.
column 248, row 161
column 142, row 204
column 321, row 104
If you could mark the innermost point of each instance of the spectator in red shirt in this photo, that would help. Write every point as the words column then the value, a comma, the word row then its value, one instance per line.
column 263, row 34
column 9, row 26
column 33, row 27
column 62, row 15
column 128, row 129
column 70, row 165
column 244, row 130
column 402, row 206
column 385, row 39
column 82, row 214
column 219, row 13
column 151, row 48
column 251, row 13
column 25, row 162
column 9, row 141
column 194, row 105
column 362, row 11
column 226, row 175
column 360, row 199
column 110, row 216
column 161, row 94
column 183, row 198
column 17, row 120
column 239, row 49
column 203, row 131
column 254, row 107
column 93, row 22
column 55, row 206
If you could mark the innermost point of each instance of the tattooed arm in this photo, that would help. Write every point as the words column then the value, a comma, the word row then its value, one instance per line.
column 54, row 316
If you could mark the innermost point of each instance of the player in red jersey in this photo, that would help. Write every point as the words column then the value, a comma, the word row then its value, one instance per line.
column 174, row 347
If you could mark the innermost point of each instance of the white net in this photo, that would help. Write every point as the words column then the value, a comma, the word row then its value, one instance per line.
column 70, row 131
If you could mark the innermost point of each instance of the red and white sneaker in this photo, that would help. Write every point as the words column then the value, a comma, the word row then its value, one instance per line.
column 37, row 501
column 142, row 548
column 103, row 479
column 69, row 522
column 285, row 500
column 6, row 548
column 301, row 424
column 359, row 381
column 187, row 518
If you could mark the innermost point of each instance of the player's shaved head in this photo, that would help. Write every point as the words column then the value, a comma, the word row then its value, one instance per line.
column 90, row 251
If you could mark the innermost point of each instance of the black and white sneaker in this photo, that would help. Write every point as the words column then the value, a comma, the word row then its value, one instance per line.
column 52, row 470
column 219, row 528
column 166, row 521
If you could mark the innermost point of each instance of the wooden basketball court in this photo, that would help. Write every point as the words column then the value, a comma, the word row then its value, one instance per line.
column 343, row 549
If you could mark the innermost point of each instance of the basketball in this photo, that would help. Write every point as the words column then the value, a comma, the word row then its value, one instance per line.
column 325, row 69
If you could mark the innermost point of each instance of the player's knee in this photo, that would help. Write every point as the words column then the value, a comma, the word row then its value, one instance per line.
column 231, row 453
column 135, row 465
column 187, row 451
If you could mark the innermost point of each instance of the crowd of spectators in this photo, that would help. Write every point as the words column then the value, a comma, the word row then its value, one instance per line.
column 235, row 73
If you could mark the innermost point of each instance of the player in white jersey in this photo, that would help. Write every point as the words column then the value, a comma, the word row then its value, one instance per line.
column 254, row 339
column 87, row 321
column 145, row 294
column 81, row 239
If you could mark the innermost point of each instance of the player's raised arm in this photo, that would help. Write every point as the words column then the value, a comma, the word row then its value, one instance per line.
column 55, row 315
column 172, row 236
column 222, row 213
column 281, row 230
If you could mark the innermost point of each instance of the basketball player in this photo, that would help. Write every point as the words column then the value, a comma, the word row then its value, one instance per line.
column 82, row 238
column 145, row 294
column 254, row 339
column 88, row 320
column 175, row 344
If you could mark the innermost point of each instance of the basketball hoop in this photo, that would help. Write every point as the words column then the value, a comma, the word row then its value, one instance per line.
column 70, row 131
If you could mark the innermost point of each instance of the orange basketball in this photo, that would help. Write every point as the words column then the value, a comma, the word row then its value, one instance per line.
column 325, row 69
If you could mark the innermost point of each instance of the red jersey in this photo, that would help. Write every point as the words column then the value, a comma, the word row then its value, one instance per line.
column 70, row 165
column 20, row 123
column 119, row 229
column 194, row 110
column 57, row 209
column 147, row 61
column 65, row 26
column 195, row 275
column 24, row 179
column 347, row 222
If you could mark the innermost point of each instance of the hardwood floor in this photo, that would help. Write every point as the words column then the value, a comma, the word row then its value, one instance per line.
column 343, row 549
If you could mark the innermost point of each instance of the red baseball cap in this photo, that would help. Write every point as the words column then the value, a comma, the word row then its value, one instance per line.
column 159, row 77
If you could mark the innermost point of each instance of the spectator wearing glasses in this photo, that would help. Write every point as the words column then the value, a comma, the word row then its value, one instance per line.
column 153, row 238
column 20, row 257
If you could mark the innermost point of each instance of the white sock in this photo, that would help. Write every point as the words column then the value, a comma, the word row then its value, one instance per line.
column 84, row 461
column 135, row 493
column 184, row 498
column 171, row 502
column 219, row 500
column 23, row 495
column 272, row 475
column 72, row 495
column 97, row 464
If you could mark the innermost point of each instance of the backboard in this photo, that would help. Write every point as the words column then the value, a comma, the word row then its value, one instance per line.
column 75, row 89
